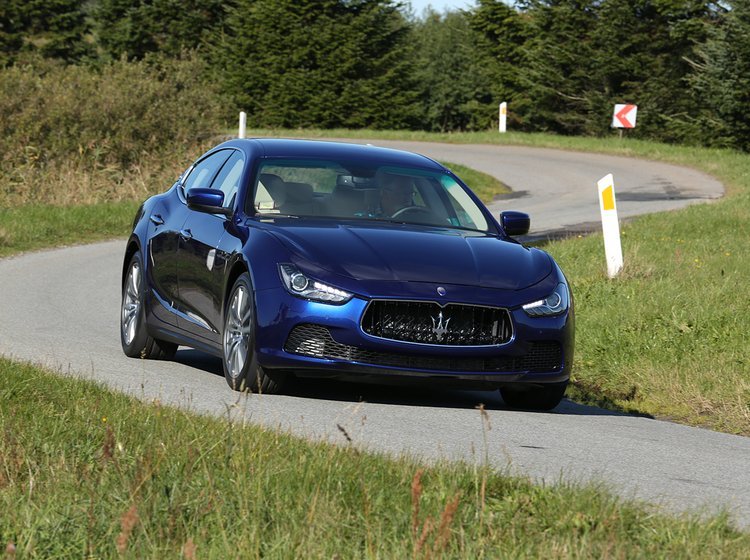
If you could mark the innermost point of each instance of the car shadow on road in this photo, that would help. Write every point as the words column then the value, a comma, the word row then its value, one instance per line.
column 405, row 395
column 420, row 396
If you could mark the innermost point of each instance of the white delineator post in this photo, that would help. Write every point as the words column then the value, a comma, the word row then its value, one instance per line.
column 502, row 116
column 610, row 225
column 243, row 124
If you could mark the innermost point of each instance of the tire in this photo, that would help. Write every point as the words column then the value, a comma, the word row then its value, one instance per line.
column 545, row 397
column 241, row 368
column 135, row 340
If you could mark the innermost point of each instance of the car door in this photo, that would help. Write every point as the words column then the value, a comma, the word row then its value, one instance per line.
column 165, row 222
column 205, row 248
column 168, row 222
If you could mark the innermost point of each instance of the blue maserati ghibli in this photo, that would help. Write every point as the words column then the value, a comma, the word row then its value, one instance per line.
column 323, row 259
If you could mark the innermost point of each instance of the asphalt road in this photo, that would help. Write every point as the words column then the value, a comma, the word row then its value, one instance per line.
column 558, row 188
column 60, row 308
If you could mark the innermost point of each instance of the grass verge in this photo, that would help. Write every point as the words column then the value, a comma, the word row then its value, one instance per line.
column 25, row 228
column 87, row 472
column 485, row 186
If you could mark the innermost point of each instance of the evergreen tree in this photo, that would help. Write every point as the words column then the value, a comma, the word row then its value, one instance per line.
column 501, row 32
column 134, row 28
column 455, row 74
column 559, row 65
column 52, row 28
column 318, row 63
column 11, row 31
column 586, row 55
column 721, row 80
column 643, row 48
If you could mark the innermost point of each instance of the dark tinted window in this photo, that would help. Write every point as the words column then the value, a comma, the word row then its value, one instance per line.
column 204, row 171
column 228, row 179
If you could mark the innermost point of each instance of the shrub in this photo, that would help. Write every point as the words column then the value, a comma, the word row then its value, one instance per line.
column 78, row 133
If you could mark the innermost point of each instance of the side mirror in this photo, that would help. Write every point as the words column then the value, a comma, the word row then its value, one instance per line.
column 210, row 201
column 515, row 223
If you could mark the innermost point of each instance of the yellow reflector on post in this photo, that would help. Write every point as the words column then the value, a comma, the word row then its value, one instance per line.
column 610, row 225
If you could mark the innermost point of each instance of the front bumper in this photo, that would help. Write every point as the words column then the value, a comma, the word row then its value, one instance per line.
column 327, row 341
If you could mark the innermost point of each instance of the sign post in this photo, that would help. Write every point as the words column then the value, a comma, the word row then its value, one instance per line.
column 503, row 117
column 610, row 225
column 243, row 124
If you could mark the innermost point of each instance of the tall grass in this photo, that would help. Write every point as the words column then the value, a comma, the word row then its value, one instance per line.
column 81, row 135
column 86, row 472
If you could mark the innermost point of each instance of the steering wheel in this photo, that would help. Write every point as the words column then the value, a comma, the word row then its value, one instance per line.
column 411, row 210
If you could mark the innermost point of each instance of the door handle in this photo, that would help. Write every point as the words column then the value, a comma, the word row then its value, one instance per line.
column 157, row 219
column 186, row 234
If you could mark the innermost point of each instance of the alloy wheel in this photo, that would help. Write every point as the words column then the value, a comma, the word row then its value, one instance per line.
column 237, row 332
column 131, row 303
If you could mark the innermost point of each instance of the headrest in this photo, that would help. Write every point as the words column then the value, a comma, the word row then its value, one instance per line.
column 271, row 181
column 275, row 187
column 299, row 192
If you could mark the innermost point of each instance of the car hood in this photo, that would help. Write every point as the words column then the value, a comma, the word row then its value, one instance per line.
column 406, row 253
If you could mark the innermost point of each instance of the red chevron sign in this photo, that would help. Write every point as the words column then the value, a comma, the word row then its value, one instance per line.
column 624, row 116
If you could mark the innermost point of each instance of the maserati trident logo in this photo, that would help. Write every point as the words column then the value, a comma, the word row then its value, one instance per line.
column 439, row 328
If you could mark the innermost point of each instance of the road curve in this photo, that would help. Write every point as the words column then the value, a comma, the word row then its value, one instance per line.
column 558, row 188
column 60, row 308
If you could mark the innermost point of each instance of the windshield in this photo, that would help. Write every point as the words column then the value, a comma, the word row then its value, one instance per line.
column 353, row 191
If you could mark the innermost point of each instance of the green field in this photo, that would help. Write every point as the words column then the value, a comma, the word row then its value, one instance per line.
column 86, row 472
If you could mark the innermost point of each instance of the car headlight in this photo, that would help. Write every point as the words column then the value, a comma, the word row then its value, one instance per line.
column 303, row 286
column 554, row 304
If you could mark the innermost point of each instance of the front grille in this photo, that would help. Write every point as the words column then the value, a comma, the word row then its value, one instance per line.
column 426, row 322
column 316, row 341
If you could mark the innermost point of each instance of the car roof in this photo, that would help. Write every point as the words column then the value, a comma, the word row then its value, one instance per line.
column 293, row 148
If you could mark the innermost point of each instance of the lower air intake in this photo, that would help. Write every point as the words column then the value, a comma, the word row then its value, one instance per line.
column 316, row 341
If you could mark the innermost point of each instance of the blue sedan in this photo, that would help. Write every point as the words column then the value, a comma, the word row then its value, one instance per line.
column 301, row 258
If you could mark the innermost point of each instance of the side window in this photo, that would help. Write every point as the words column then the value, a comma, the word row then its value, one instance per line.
column 205, row 170
column 228, row 179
